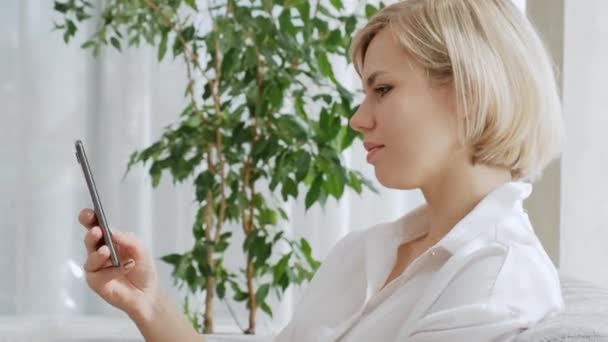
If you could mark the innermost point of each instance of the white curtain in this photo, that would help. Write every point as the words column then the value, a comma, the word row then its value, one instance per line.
column 584, row 207
column 52, row 94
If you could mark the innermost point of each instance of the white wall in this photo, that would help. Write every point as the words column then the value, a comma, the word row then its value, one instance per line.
column 543, row 206
column 584, row 207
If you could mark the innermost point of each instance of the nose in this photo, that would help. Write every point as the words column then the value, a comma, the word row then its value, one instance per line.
column 362, row 120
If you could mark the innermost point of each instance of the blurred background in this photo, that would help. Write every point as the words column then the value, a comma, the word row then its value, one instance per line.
column 52, row 94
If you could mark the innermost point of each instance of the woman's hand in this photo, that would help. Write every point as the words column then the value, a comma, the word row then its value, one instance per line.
column 133, row 287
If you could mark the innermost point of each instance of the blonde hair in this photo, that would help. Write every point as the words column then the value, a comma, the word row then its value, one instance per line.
column 500, row 70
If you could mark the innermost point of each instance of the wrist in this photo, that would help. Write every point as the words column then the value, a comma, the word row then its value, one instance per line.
column 149, row 309
column 159, row 320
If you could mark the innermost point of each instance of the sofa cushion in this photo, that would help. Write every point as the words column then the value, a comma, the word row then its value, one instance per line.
column 585, row 317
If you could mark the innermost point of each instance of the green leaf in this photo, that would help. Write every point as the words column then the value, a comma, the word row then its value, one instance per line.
column 230, row 62
column 259, row 250
column 324, row 64
column 61, row 7
column 276, row 96
column 289, row 188
column 267, row 5
column 192, row 4
column 337, row 4
column 240, row 296
column 221, row 290
column 262, row 293
column 303, row 165
column 350, row 24
column 370, row 10
column 285, row 23
column 87, row 44
column 305, row 247
column 266, row 308
column 178, row 47
column 304, row 10
column 116, row 43
column 155, row 173
column 268, row 217
column 348, row 137
column 324, row 120
column 290, row 125
column 355, row 182
column 162, row 46
column 334, row 185
column 172, row 259
column 188, row 33
column 278, row 236
column 334, row 39
column 70, row 30
column 190, row 277
column 314, row 191
column 225, row 236
column 204, row 182
column 193, row 121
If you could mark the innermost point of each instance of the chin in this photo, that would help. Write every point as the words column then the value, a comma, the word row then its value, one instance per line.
column 396, row 180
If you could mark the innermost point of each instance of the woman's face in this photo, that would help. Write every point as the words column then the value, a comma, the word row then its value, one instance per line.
column 413, row 122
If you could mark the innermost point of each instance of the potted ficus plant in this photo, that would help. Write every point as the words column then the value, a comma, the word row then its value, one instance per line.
column 263, row 107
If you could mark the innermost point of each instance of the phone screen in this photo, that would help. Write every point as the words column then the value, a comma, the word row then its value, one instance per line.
column 81, row 156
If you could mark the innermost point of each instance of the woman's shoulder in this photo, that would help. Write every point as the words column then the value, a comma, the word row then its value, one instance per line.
column 506, row 265
column 354, row 242
column 528, row 277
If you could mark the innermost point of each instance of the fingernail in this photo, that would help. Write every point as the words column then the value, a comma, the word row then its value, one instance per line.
column 129, row 264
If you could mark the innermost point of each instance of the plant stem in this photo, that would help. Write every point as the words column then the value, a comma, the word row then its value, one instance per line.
column 210, row 283
column 252, row 303
column 218, row 138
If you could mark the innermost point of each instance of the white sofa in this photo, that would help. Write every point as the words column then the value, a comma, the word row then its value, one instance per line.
column 585, row 317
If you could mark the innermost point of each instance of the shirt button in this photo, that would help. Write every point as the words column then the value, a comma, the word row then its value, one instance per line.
column 433, row 252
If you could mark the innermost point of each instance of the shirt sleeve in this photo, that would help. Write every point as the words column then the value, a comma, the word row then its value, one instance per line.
column 475, row 322
column 495, row 298
column 328, row 282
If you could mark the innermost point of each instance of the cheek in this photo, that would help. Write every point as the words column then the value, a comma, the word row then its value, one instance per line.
column 421, row 138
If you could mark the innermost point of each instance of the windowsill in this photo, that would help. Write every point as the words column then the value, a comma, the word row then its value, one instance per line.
column 88, row 328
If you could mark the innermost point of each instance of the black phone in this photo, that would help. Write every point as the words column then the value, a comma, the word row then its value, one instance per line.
column 81, row 156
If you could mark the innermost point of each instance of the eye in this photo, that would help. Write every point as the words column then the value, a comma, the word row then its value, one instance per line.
column 382, row 90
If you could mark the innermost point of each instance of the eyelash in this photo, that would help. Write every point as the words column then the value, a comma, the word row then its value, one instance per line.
column 382, row 90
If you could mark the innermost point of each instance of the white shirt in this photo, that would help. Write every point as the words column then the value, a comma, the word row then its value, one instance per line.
column 488, row 279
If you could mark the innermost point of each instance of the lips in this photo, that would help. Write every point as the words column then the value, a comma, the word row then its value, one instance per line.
column 372, row 150
column 369, row 146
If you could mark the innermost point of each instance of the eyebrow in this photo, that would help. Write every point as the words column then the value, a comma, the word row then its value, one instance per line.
column 372, row 78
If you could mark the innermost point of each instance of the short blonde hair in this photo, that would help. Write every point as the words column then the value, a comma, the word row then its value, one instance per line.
column 501, row 72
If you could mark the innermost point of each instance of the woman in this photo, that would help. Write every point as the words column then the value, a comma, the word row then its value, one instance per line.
column 461, row 102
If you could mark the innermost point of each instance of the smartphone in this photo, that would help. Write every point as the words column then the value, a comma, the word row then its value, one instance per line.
column 81, row 156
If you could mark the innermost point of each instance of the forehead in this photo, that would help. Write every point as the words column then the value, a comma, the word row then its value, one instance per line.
column 384, row 52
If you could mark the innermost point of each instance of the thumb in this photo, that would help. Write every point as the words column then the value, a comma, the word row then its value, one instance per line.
column 129, row 242
column 108, row 284
column 105, row 275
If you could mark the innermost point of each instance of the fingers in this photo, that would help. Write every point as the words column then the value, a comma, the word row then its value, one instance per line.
column 97, row 259
column 105, row 274
column 125, row 242
column 93, row 239
column 129, row 243
column 87, row 218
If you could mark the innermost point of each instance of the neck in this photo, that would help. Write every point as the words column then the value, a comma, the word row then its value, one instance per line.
column 455, row 192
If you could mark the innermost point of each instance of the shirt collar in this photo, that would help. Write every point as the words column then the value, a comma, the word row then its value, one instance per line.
column 489, row 211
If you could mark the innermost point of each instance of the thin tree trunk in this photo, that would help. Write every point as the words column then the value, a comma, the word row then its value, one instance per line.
column 252, row 301
column 210, row 283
